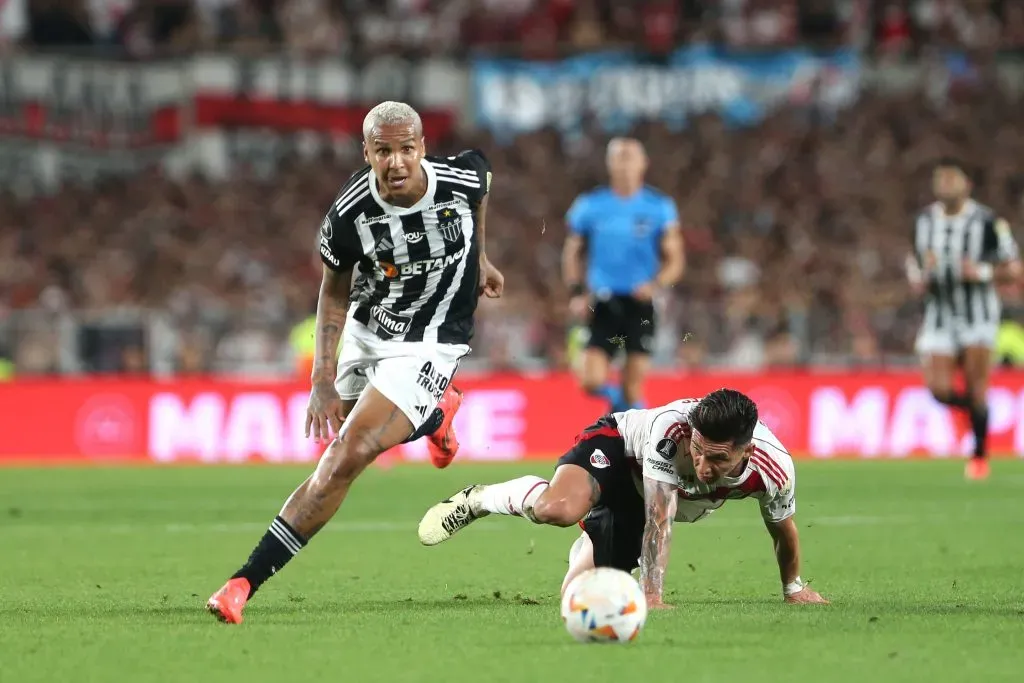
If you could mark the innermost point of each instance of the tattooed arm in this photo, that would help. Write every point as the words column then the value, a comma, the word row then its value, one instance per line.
column 660, row 500
column 324, row 410
column 331, row 309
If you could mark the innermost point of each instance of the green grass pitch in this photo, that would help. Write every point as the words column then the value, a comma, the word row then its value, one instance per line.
column 105, row 572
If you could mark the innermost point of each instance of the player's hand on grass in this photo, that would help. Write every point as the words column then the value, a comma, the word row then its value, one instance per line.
column 656, row 602
column 492, row 282
column 324, row 413
column 807, row 596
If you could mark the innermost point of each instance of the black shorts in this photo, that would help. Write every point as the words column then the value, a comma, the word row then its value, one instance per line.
column 615, row 524
column 622, row 323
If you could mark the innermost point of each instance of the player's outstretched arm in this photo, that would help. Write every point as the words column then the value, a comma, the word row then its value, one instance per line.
column 324, row 412
column 660, row 501
column 786, row 540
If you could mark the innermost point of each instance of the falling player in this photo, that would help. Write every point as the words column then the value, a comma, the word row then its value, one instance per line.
column 961, row 251
column 413, row 226
column 630, row 475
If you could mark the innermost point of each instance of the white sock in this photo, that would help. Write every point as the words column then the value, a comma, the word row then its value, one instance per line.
column 516, row 497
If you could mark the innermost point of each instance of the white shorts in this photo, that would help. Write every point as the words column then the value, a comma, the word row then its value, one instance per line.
column 412, row 375
column 954, row 336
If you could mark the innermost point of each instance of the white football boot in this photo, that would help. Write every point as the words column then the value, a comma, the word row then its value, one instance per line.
column 442, row 521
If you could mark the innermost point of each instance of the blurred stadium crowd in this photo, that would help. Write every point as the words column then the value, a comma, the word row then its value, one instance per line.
column 796, row 229
column 541, row 28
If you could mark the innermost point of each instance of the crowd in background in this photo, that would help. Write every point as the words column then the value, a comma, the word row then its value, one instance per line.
column 537, row 28
column 795, row 230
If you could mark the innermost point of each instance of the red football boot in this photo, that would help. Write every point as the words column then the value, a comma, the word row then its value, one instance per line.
column 442, row 444
column 977, row 469
column 227, row 603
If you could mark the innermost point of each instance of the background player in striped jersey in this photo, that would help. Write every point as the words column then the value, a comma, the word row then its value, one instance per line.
column 961, row 251
column 412, row 229
column 630, row 475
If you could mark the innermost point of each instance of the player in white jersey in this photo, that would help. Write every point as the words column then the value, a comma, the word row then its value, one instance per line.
column 632, row 474
column 961, row 251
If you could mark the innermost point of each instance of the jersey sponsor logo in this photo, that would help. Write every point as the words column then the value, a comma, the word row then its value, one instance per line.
column 661, row 466
column 390, row 322
column 453, row 204
column 326, row 229
column 667, row 448
column 432, row 380
column 326, row 253
column 449, row 224
column 379, row 219
column 414, row 237
column 422, row 267
column 599, row 460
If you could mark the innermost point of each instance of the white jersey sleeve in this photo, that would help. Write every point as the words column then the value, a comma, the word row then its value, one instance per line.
column 775, row 467
column 662, row 440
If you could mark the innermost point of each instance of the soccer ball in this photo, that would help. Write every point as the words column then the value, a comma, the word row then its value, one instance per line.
column 604, row 605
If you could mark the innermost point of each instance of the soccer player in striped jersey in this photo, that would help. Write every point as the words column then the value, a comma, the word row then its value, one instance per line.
column 404, row 243
column 961, row 251
column 631, row 475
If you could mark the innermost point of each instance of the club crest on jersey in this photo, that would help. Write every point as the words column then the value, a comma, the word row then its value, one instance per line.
column 599, row 460
column 449, row 224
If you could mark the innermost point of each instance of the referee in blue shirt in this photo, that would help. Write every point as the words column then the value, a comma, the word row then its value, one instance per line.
column 626, row 239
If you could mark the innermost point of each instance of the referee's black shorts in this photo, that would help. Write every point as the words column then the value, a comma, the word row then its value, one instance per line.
column 622, row 323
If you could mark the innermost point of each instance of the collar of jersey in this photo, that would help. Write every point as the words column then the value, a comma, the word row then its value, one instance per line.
column 426, row 200
column 966, row 210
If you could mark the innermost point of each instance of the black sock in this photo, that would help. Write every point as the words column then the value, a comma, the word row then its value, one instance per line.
column 953, row 400
column 979, row 424
column 432, row 424
column 277, row 546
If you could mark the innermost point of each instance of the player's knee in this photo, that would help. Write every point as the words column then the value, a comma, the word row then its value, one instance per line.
column 556, row 512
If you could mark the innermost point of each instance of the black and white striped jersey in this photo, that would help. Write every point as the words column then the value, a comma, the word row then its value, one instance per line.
column 418, row 268
column 975, row 234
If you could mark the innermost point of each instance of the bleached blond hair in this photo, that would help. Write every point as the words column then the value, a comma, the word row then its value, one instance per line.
column 391, row 113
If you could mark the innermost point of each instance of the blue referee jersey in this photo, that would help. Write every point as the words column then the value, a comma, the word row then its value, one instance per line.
column 623, row 236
